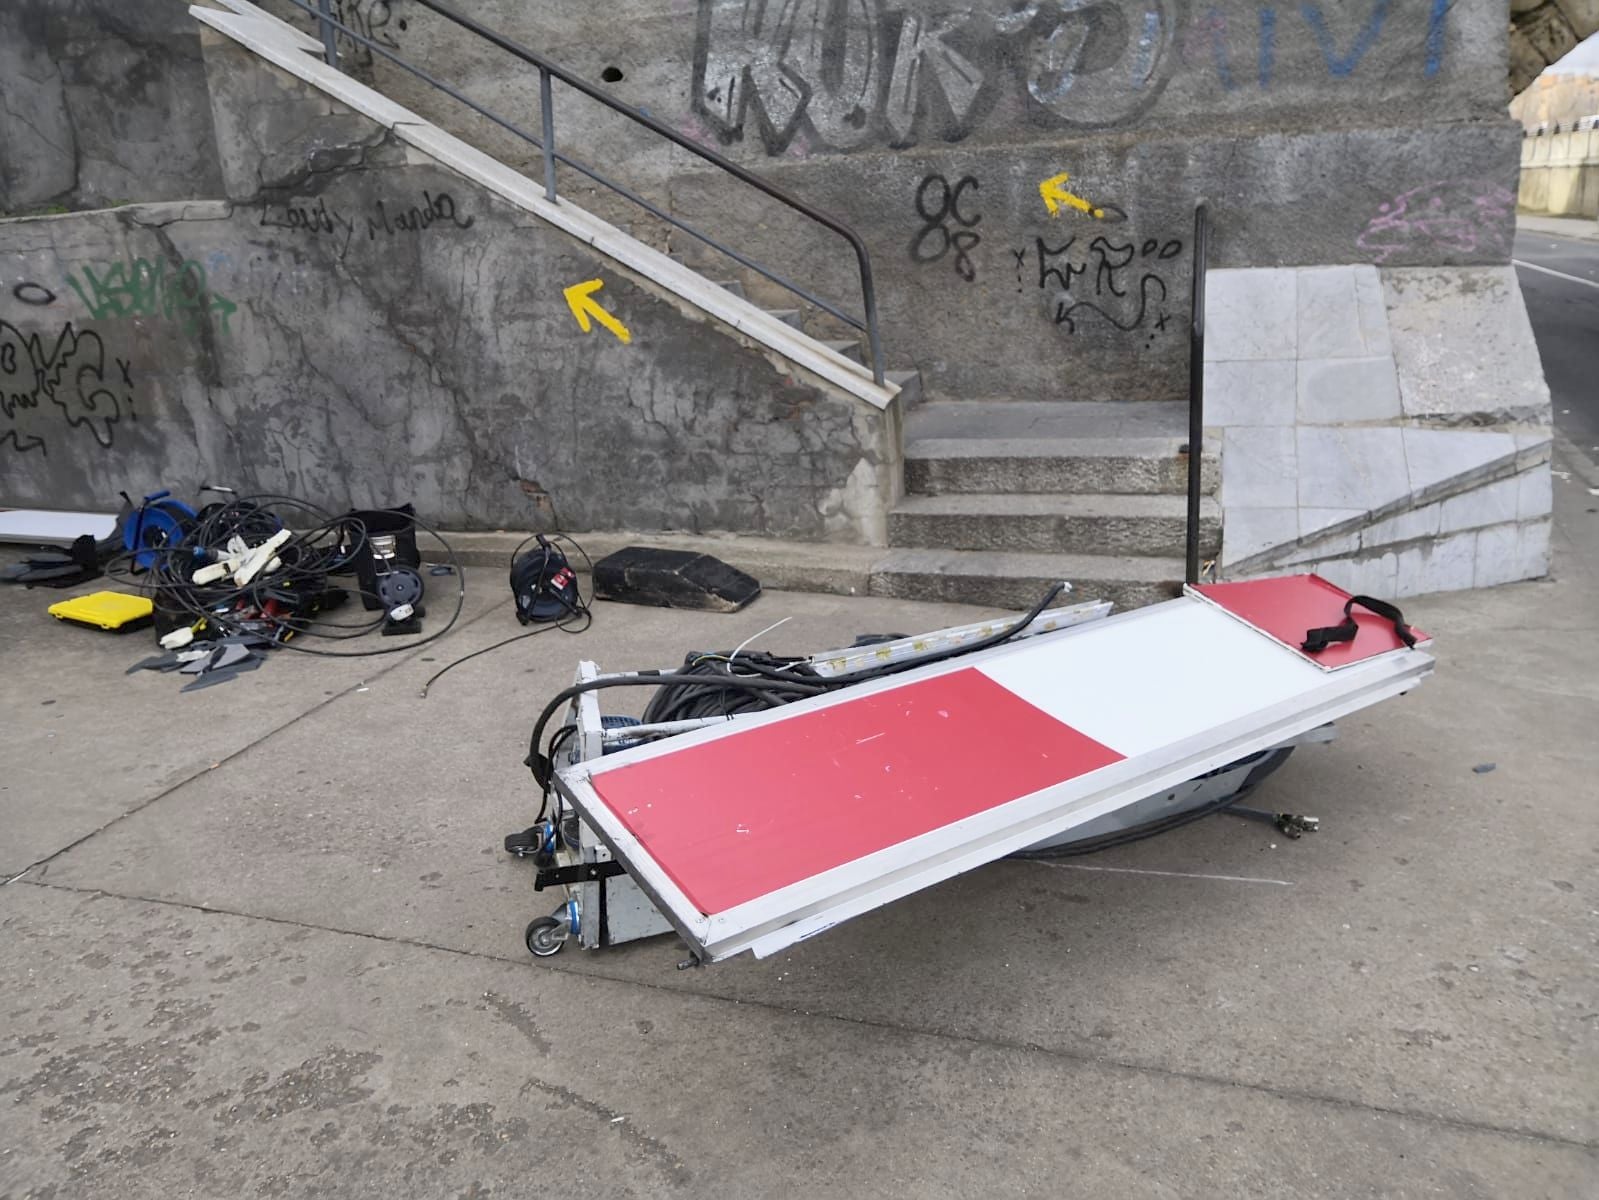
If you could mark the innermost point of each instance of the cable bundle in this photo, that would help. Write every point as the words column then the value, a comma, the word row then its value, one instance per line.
column 679, row 702
column 284, row 604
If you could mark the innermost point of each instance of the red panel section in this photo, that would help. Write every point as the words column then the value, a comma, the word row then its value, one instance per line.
column 735, row 818
column 1289, row 607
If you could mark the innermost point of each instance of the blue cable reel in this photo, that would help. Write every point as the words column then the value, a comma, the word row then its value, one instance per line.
column 159, row 524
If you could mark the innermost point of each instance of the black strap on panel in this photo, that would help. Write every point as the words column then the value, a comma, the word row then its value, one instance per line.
column 1317, row 640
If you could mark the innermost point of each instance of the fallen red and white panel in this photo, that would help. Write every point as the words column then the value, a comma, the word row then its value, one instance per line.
column 758, row 833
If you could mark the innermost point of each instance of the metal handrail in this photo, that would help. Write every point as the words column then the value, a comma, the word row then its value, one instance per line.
column 1196, row 387
column 322, row 11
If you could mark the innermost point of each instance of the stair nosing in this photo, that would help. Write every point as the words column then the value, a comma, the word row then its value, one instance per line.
column 1133, row 568
column 1052, row 504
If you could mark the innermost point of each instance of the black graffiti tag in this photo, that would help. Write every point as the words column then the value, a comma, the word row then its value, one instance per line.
column 33, row 293
column 1121, row 282
column 936, row 203
column 43, row 383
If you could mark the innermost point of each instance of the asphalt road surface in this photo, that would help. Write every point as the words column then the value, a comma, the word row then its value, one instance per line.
column 1560, row 280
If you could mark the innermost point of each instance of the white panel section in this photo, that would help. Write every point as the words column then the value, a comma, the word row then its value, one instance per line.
column 41, row 527
column 1209, row 672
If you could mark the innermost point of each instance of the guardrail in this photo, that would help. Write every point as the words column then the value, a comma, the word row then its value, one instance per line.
column 330, row 28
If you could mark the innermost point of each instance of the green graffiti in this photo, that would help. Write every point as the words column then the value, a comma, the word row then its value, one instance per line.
column 145, row 288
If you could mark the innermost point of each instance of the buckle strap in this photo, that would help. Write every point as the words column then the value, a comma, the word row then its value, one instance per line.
column 1317, row 640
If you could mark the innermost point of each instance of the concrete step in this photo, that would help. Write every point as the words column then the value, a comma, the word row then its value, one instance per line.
column 1052, row 523
column 1050, row 419
column 910, row 387
column 993, row 579
column 1017, row 581
column 789, row 316
column 850, row 348
column 737, row 288
column 1128, row 465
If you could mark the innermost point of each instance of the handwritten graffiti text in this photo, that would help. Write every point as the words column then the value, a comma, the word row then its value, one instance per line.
column 382, row 220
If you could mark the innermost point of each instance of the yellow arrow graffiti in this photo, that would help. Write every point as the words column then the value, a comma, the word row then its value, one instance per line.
column 580, row 299
column 1055, row 195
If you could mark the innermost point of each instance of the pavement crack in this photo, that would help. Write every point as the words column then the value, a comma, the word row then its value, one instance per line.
column 1012, row 1045
column 400, row 659
column 653, row 1149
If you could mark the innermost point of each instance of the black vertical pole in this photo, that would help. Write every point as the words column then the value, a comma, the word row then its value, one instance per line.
column 330, row 49
column 1196, row 387
column 547, row 116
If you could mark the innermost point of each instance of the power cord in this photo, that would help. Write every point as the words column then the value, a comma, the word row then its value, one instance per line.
column 580, row 608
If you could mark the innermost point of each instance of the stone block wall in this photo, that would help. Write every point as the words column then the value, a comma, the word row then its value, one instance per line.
column 1389, row 428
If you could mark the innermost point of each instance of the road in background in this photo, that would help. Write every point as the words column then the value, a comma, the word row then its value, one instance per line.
column 1560, row 280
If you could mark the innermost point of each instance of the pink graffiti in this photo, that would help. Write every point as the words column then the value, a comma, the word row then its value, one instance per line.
column 1445, row 216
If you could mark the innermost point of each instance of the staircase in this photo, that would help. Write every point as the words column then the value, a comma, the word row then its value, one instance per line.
column 1005, row 497
column 1002, row 499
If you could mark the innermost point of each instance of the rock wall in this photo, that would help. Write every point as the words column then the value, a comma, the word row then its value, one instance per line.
column 1311, row 128
column 1543, row 31
column 358, row 326
column 102, row 102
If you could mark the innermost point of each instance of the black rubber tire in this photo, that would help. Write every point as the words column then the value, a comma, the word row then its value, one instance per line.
column 538, row 940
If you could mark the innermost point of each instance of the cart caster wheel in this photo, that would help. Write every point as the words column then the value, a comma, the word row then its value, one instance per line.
column 545, row 936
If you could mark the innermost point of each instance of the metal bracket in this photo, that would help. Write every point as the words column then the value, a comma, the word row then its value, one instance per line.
column 576, row 873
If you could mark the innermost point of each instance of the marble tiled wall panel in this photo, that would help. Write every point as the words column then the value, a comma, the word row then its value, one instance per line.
column 1389, row 425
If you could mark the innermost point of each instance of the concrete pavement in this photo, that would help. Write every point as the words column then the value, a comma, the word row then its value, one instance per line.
column 1557, row 266
column 1581, row 229
column 265, row 942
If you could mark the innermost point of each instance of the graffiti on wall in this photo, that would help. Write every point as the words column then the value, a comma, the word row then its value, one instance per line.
column 852, row 73
column 1115, row 279
column 1230, row 49
column 68, row 381
column 371, row 19
column 949, row 224
column 385, row 219
column 1121, row 281
column 858, row 71
column 1444, row 216
column 145, row 287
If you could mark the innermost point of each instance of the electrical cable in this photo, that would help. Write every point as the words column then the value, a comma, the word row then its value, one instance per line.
column 283, row 604
column 583, row 607
column 541, row 764
column 1265, row 762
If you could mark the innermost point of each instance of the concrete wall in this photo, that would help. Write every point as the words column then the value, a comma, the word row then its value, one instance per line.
column 1560, row 172
column 102, row 102
column 1315, row 130
column 1386, row 427
column 358, row 326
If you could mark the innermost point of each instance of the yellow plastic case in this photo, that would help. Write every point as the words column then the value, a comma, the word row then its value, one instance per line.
column 105, row 610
